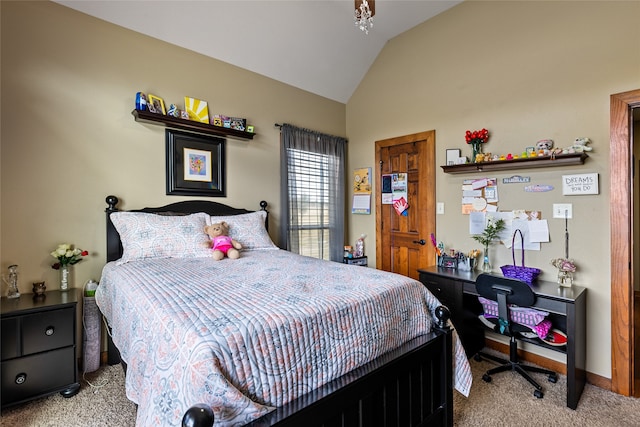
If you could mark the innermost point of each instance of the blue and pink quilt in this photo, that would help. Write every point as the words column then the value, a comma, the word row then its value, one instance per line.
column 250, row 334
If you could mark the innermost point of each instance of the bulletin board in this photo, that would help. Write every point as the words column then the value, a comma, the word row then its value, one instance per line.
column 479, row 195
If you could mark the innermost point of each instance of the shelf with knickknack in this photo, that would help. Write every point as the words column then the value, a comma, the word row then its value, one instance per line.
column 189, row 125
column 522, row 163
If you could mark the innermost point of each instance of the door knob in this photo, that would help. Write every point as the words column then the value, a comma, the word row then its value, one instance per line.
column 420, row 242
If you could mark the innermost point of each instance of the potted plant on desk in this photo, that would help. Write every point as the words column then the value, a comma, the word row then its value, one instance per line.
column 489, row 234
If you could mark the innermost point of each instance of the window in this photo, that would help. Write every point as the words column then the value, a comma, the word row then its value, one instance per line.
column 312, row 193
column 308, row 203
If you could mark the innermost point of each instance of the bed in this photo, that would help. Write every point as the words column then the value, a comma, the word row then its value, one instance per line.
column 271, row 338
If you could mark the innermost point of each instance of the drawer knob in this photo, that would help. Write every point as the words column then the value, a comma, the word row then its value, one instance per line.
column 21, row 378
column 49, row 331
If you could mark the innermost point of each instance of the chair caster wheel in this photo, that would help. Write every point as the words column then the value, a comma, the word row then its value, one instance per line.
column 477, row 358
column 538, row 394
column 553, row 379
column 486, row 378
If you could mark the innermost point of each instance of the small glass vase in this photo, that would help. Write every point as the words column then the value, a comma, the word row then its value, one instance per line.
column 486, row 263
column 64, row 277
column 477, row 149
column 565, row 278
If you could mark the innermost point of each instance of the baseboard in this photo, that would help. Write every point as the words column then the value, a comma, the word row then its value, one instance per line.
column 559, row 367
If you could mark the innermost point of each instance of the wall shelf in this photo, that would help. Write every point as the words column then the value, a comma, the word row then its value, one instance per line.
column 528, row 163
column 189, row 125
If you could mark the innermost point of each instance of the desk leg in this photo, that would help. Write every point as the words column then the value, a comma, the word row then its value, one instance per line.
column 576, row 350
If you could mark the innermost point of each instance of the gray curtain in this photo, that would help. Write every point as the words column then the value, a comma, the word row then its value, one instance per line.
column 312, row 163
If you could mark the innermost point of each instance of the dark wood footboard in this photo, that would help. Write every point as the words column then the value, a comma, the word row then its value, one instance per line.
column 409, row 387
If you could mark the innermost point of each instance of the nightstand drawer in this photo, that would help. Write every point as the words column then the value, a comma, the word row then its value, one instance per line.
column 47, row 330
column 40, row 374
column 10, row 343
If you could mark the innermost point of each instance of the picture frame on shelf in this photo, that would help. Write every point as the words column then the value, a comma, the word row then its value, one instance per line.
column 452, row 156
column 155, row 104
column 195, row 164
column 197, row 109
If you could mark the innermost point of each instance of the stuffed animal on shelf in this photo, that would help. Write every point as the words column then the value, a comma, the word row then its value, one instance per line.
column 580, row 145
column 544, row 146
column 221, row 243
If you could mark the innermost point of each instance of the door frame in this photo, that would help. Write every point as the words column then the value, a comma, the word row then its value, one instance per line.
column 622, row 322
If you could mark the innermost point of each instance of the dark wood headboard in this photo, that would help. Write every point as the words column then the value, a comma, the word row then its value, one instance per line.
column 114, row 246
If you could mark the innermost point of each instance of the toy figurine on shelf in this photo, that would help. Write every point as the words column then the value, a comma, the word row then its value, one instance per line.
column 141, row 101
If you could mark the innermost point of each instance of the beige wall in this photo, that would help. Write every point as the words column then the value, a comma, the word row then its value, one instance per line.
column 69, row 139
column 526, row 71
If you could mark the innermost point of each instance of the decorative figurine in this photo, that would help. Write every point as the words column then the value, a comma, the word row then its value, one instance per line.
column 39, row 288
column 12, row 281
column 173, row 111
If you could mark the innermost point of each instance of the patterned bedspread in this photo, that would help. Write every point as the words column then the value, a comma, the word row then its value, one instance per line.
column 250, row 334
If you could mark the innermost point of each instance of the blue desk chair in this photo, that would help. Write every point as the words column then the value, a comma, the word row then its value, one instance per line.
column 505, row 292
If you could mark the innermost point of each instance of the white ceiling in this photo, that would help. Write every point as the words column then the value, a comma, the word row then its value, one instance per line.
column 310, row 44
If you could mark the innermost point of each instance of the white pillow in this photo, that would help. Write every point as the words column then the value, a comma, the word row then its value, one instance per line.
column 248, row 229
column 147, row 235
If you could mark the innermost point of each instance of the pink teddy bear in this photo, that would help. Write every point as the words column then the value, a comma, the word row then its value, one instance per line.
column 221, row 243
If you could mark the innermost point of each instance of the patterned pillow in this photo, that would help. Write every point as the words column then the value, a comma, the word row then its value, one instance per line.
column 248, row 229
column 147, row 235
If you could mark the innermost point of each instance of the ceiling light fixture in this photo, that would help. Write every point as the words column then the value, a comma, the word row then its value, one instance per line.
column 364, row 14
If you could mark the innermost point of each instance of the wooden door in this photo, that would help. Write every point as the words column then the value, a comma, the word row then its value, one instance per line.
column 403, row 242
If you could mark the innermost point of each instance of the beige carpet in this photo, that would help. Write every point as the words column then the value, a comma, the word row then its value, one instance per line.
column 507, row 401
column 92, row 406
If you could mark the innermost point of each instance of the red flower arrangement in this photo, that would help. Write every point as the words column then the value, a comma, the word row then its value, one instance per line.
column 477, row 136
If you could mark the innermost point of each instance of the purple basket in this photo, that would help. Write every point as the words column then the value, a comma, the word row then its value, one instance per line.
column 522, row 273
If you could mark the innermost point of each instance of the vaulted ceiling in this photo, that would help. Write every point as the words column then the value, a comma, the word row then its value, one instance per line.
column 310, row 44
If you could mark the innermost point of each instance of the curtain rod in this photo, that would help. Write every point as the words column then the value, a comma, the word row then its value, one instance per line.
column 278, row 125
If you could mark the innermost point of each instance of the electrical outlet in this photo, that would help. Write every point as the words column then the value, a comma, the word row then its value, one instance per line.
column 563, row 210
column 440, row 208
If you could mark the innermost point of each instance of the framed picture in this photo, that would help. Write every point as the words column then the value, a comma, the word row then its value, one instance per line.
column 156, row 104
column 195, row 164
column 452, row 156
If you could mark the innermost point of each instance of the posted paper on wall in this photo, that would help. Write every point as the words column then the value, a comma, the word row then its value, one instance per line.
column 479, row 195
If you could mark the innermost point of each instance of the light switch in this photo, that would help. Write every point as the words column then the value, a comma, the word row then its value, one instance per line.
column 563, row 210
column 440, row 208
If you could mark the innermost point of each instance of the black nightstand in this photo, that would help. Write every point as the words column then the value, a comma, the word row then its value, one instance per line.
column 362, row 261
column 39, row 346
